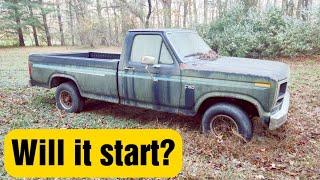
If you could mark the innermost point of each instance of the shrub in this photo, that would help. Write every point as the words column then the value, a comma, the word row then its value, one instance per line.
column 262, row 34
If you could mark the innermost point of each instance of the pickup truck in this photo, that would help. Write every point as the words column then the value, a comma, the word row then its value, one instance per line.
column 165, row 70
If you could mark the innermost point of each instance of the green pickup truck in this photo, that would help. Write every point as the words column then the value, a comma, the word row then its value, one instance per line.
column 174, row 71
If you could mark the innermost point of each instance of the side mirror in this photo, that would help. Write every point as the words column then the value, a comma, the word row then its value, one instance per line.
column 148, row 60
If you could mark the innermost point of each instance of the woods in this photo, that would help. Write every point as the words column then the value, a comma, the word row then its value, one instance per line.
column 105, row 22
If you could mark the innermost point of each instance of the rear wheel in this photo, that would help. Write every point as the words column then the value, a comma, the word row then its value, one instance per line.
column 225, row 120
column 68, row 98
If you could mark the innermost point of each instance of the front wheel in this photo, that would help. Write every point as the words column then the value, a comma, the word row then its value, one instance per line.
column 224, row 118
column 68, row 98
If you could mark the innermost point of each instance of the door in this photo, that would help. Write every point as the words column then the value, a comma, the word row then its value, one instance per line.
column 155, row 85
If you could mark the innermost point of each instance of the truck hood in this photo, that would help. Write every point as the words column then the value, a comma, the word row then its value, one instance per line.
column 236, row 68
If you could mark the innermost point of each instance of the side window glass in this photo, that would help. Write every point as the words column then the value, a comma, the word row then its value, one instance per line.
column 165, row 57
column 145, row 45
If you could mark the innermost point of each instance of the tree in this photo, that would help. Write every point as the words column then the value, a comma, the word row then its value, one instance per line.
column 185, row 13
column 205, row 11
column 60, row 23
column 250, row 4
column 44, row 12
column 167, row 12
column 33, row 21
column 71, row 22
column 149, row 14
column 195, row 12
column 14, row 12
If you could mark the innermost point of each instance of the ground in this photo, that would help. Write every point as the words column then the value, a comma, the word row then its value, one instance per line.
column 293, row 150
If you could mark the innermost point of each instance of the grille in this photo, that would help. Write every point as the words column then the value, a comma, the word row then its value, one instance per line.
column 282, row 89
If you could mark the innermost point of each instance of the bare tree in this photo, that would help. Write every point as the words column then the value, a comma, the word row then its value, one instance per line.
column 158, row 14
column 185, row 13
column 205, row 11
column 305, row 5
column 60, row 23
column 284, row 6
column 149, row 14
column 71, row 22
column 167, row 12
column 109, row 20
column 45, row 24
column 178, row 14
column 190, row 12
column 34, row 29
column 134, row 9
column 195, row 12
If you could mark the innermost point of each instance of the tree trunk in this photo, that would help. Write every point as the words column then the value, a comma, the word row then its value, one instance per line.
column 109, row 23
column 34, row 29
column 185, row 13
column 149, row 14
column 178, row 14
column 102, row 26
column 124, row 24
column 284, row 6
column 45, row 24
column 116, row 25
column 60, row 24
column 306, row 6
column 158, row 15
column 298, row 11
column 190, row 13
column 167, row 12
column 99, row 9
column 219, row 8
column 205, row 11
column 195, row 12
column 290, row 8
column 71, row 22
column 19, row 28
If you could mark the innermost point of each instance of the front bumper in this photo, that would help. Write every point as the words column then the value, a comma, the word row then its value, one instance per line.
column 279, row 118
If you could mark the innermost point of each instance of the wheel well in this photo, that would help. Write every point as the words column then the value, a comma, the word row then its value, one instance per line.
column 248, row 107
column 56, row 81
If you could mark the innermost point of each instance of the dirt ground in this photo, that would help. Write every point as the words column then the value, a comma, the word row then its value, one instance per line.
column 289, row 152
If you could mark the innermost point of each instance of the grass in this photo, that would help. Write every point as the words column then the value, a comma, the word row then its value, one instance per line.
column 293, row 150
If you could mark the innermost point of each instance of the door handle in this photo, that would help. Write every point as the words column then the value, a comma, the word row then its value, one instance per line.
column 129, row 68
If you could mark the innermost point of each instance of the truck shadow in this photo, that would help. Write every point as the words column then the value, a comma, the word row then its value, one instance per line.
column 152, row 118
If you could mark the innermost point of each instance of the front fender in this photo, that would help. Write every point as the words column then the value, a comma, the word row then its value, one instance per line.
column 244, row 97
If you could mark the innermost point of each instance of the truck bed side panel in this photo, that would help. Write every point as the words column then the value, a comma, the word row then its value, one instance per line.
column 95, row 78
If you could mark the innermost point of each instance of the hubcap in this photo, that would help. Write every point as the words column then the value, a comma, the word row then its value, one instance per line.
column 65, row 99
column 223, row 125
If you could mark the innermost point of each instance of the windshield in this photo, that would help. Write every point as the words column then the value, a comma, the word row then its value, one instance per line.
column 188, row 44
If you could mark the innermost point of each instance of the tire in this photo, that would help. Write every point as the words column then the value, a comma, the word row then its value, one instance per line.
column 238, row 116
column 64, row 92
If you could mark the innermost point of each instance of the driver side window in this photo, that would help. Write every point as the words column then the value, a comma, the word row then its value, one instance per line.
column 150, row 45
column 145, row 45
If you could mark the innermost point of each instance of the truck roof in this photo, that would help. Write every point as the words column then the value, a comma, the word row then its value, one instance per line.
column 161, row 30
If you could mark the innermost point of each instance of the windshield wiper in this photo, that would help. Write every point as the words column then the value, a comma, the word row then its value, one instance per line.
column 194, row 54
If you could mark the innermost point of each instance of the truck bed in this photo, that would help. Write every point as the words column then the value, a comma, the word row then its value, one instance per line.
column 94, row 73
column 87, row 59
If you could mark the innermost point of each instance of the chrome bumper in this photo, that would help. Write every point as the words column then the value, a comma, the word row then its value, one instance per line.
column 279, row 118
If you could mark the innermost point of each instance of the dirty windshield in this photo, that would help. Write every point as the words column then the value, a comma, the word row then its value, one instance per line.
column 188, row 44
